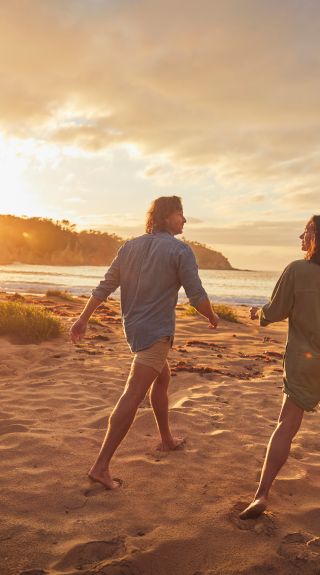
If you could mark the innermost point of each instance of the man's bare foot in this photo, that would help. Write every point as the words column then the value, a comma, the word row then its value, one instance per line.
column 104, row 478
column 255, row 509
column 173, row 444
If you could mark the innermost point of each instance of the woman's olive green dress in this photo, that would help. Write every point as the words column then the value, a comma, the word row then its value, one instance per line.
column 297, row 296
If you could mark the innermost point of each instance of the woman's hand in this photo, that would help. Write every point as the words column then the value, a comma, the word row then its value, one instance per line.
column 254, row 312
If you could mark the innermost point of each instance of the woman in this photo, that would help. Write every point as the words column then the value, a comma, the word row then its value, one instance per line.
column 296, row 296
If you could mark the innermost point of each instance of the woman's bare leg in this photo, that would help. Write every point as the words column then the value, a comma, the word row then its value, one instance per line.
column 277, row 454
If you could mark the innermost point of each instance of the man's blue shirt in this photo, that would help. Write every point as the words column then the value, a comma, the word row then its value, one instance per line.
column 150, row 270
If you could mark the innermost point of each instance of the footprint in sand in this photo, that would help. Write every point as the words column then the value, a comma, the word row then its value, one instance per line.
column 300, row 546
column 216, row 420
column 263, row 525
column 94, row 490
column 122, row 567
column 314, row 545
column 294, row 471
column 263, row 568
column 97, row 488
column 5, row 415
column 40, row 372
column 297, row 453
column 87, row 554
column 99, row 423
column 13, row 428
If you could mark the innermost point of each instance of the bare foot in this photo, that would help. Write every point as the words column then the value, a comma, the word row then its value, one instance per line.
column 255, row 509
column 175, row 443
column 104, row 478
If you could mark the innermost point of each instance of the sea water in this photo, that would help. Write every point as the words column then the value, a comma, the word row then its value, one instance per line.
column 228, row 286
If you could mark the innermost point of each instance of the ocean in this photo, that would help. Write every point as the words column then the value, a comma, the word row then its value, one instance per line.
column 227, row 286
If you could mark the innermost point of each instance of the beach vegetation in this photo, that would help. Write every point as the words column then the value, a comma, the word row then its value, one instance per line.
column 16, row 297
column 28, row 323
column 95, row 321
column 59, row 293
column 224, row 312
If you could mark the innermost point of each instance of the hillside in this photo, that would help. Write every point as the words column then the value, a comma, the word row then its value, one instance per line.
column 44, row 241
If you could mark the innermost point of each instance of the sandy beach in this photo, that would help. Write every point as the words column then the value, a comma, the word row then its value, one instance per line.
column 176, row 513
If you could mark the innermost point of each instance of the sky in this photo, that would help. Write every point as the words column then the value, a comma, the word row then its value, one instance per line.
column 108, row 104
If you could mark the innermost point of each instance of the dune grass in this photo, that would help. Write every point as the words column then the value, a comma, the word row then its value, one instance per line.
column 27, row 323
column 16, row 297
column 224, row 312
column 95, row 321
column 59, row 293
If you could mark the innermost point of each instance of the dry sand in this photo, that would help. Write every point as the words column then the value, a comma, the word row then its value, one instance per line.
column 177, row 513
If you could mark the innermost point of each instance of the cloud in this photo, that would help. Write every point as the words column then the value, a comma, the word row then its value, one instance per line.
column 230, row 86
column 311, row 198
column 194, row 221
column 75, row 200
column 257, row 198
column 258, row 233
column 280, row 234
column 109, row 222
column 152, row 171
column 89, row 138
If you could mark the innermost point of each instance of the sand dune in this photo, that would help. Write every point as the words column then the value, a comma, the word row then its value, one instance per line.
column 176, row 513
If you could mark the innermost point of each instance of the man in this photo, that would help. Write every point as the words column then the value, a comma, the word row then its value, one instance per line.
column 150, row 270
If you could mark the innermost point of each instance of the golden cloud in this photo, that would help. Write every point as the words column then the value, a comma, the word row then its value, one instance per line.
column 228, row 85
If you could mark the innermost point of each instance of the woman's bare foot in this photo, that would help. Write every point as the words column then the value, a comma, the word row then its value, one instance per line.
column 104, row 478
column 255, row 509
column 172, row 444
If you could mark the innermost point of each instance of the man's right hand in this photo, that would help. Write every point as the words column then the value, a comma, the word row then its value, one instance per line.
column 214, row 320
column 78, row 330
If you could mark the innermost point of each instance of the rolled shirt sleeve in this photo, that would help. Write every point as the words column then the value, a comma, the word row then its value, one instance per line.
column 189, row 276
column 282, row 299
column 111, row 280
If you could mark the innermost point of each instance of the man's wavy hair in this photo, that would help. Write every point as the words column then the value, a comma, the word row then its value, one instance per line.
column 159, row 211
column 313, row 253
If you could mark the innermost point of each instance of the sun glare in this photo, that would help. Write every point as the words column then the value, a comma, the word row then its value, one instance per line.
column 15, row 197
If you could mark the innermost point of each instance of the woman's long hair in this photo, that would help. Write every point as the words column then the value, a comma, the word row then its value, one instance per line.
column 159, row 211
column 313, row 253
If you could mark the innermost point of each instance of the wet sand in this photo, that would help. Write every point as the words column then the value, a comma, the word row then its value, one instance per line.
column 176, row 513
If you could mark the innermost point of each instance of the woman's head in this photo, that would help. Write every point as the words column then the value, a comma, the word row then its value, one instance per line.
column 311, row 240
column 160, row 210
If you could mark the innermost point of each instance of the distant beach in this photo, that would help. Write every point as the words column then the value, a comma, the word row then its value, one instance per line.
column 236, row 287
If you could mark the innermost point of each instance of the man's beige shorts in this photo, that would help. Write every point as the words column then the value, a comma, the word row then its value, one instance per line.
column 156, row 355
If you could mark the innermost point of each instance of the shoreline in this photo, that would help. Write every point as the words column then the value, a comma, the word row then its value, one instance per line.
column 234, row 287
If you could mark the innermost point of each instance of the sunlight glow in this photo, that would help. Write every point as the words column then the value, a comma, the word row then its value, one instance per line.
column 16, row 156
column 12, row 184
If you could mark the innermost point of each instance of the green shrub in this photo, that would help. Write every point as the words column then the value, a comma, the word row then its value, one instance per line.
column 27, row 323
column 95, row 321
column 58, row 293
column 15, row 297
column 224, row 312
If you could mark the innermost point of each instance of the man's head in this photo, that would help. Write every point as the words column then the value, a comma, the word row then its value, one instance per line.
column 165, row 215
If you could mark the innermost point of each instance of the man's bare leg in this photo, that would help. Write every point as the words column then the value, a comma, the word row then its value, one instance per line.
column 160, row 405
column 277, row 454
column 120, row 421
